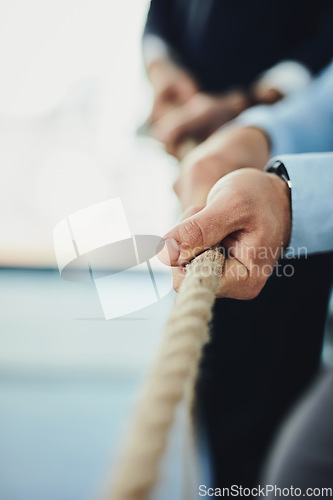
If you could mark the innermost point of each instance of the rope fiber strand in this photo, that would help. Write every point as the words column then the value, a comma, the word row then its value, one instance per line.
column 175, row 366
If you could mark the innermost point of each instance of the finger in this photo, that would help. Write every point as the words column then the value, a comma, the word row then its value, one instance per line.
column 178, row 275
column 192, row 189
column 198, row 232
column 181, row 136
column 184, row 147
column 188, row 213
column 177, row 129
column 194, row 194
column 237, row 282
column 161, row 108
column 235, row 279
column 170, row 128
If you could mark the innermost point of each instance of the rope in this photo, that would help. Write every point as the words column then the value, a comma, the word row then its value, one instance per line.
column 175, row 366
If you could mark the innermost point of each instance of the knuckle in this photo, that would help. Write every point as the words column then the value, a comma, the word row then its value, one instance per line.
column 202, row 165
column 241, row 203
column 192, row 233
column 198, row 168
column 239, row 198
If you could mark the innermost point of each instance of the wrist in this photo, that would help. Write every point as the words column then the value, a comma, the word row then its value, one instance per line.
column 250, row 147
column 281, row 197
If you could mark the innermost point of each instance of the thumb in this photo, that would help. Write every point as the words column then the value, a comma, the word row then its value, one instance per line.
column 181, row 123
column 161, row 107
column 197, row 233
column 170, row 128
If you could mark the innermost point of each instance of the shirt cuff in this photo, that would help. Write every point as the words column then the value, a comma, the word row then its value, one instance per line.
column 264, row 118
column 286, row 76
column 154, row 49
column 311, row 201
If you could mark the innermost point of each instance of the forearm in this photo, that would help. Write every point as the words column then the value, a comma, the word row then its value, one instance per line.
column 301, row 123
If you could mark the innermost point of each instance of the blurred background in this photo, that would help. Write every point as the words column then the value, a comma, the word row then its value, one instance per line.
column 73, row 93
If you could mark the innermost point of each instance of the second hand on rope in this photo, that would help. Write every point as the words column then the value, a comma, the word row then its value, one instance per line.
column 175, row 366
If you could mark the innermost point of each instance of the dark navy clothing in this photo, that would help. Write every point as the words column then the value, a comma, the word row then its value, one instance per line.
column 263, row 355
column 228, row 43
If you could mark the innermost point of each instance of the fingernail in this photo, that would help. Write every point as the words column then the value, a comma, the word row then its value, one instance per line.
column 173, row 248
column 170, row 251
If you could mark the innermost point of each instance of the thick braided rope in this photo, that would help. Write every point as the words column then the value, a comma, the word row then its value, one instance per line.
column 175, row 366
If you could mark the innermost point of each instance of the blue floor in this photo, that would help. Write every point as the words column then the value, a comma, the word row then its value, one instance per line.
column 68, row 381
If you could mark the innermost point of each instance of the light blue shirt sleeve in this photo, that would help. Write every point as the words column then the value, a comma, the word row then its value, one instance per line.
column 300, row 123
column 303, row 123
column 312, row 202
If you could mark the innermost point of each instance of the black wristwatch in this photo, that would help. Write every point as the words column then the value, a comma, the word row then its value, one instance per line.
column 279, row 169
